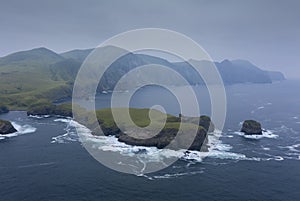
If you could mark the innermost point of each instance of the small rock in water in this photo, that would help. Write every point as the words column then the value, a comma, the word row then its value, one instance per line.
column 6, row 127
column 251, row 127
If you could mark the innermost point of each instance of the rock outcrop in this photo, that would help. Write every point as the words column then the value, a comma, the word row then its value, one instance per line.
column 192, row 135
column 3, row 109
column 6, row 127
column 251, row 127
column 51, row 109
column 165, row 139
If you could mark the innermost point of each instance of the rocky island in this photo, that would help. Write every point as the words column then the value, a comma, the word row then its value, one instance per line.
column 6, row 127
column 202, row 125
column 251, row 127
column 163, row 138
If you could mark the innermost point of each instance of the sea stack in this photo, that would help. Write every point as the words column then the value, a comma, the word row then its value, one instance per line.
column 251, row 127
column 6, row 127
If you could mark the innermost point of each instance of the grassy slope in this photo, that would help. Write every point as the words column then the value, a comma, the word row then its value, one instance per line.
column 141, row 118
column 29, row 76
column 26, row 77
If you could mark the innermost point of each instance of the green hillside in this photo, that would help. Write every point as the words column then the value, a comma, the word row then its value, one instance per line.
column 27, row 76
column 40, row 74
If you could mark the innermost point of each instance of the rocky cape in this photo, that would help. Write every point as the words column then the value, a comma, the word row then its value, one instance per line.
column 190, row 132
column 196, row 128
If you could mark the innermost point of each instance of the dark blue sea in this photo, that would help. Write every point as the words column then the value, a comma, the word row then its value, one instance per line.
column 45, row 161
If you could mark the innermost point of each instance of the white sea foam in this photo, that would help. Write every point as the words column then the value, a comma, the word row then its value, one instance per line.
column 39, row 116
column 227, row 155
column 284, row 129
column 65, row 120
column 21, row 130
column 259, row 108
column 111, row 143
column 175, row 175
column 149, row 154
column 266, row 148
column 293, row 148
column 70, row 135
column 217, row 149
column 265, row 134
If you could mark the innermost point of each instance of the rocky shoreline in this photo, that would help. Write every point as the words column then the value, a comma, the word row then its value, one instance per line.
column 202, row 125
column 6, row 127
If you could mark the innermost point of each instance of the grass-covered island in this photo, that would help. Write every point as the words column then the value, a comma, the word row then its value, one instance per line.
column 126, row 132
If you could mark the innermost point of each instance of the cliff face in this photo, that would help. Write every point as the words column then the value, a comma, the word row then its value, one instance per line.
column 276, row 75
column 185, row 138
column 192, row 135
column 167, row 135
column 29, row 76
column 6, row 127
column 50, row 109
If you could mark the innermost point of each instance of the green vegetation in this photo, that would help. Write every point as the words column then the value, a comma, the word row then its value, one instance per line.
column 41, row 74
column 164, row 137
column 29, row 76
column 165, row 126
column 47, row 108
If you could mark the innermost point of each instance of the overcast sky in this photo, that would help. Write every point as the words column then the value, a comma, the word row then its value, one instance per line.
column 266, row 33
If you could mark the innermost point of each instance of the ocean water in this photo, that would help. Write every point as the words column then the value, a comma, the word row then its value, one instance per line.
column 45, row 160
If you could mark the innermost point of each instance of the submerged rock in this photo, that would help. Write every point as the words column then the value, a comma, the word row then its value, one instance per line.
column 251, row 127
column 6, row 127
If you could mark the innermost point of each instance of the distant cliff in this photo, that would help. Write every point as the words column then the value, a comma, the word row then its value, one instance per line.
column 276, row 75
column 41, row 74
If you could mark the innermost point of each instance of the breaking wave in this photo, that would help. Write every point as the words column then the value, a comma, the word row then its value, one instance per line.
column 217, row 150
column 21, row 130
column 220, row 152
column 39, row 116
column 265, row 134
